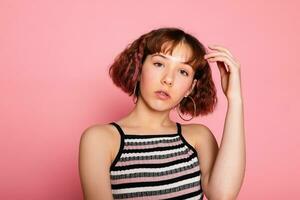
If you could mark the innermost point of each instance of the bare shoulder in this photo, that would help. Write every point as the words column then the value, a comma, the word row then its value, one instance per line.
column 198, row 133
column 97, row 133
column 205, row 142
column 101, row 138
column 96, row 141
column 95, row 160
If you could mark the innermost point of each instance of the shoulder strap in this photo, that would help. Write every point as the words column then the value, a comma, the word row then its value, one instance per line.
column 178, row 128
column 122, row 143
column 118, row 127
column 184, row 140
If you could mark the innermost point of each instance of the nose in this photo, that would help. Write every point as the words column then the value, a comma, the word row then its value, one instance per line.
column 167, row 79
column 168, row 82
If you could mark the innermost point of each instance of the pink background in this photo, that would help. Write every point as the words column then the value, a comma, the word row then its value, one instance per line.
column 54, row 58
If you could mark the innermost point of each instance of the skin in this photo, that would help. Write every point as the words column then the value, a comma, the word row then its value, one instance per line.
column 222, row 168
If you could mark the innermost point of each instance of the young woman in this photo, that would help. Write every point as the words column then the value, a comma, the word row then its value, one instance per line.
column 146, row 155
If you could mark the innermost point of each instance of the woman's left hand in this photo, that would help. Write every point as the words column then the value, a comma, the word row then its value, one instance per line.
column 230, row 76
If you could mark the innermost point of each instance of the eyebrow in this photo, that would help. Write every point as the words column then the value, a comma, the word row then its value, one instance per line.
column 168, row 58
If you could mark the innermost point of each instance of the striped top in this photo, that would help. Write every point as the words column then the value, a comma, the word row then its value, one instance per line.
column 161, row 166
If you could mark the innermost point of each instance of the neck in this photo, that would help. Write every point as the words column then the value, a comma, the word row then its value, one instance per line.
column 143, row 115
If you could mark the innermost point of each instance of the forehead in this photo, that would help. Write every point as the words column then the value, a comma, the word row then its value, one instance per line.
column 181, row 53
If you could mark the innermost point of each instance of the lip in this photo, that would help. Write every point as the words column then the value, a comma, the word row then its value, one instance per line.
column 162, row 96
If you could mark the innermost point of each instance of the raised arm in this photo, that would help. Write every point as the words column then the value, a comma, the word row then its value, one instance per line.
column 94, row 163
column 228, row 171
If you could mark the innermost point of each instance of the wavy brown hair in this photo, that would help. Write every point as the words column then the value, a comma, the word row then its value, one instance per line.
column 126, row 68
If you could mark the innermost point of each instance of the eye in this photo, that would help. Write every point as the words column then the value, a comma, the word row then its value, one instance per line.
column 157, row 64
column 184, row 72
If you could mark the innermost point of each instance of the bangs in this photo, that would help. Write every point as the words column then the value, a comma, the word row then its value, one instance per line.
column 166, row 45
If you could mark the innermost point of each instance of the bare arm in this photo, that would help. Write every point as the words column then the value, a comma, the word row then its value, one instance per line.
column 94, row 163
column 228, row 171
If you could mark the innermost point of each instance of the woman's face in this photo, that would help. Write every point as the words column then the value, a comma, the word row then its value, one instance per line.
column 167, row 73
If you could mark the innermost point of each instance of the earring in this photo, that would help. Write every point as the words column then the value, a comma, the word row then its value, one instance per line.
column 178, row 108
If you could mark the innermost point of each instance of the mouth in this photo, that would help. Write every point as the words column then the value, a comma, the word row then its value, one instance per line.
column 162, row 94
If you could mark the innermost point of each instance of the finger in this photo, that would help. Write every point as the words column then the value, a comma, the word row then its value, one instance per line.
column 223, row 70
column 220, row 48
column 219, row 54
column 213, row 54
column 230, row 64
column 219, row 63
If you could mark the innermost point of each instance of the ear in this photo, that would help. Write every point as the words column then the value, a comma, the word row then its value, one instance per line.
column 192, row 87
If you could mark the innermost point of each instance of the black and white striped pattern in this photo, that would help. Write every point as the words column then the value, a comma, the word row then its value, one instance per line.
column 155, row 167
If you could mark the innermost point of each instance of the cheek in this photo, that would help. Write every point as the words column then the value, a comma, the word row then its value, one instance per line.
column 148, row 76
column 182, row 87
